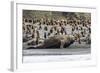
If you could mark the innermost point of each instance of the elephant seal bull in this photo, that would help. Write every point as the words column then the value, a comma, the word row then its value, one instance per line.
column 61, row 41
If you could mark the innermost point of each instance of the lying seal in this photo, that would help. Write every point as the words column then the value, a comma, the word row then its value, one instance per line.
column 61, row 41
